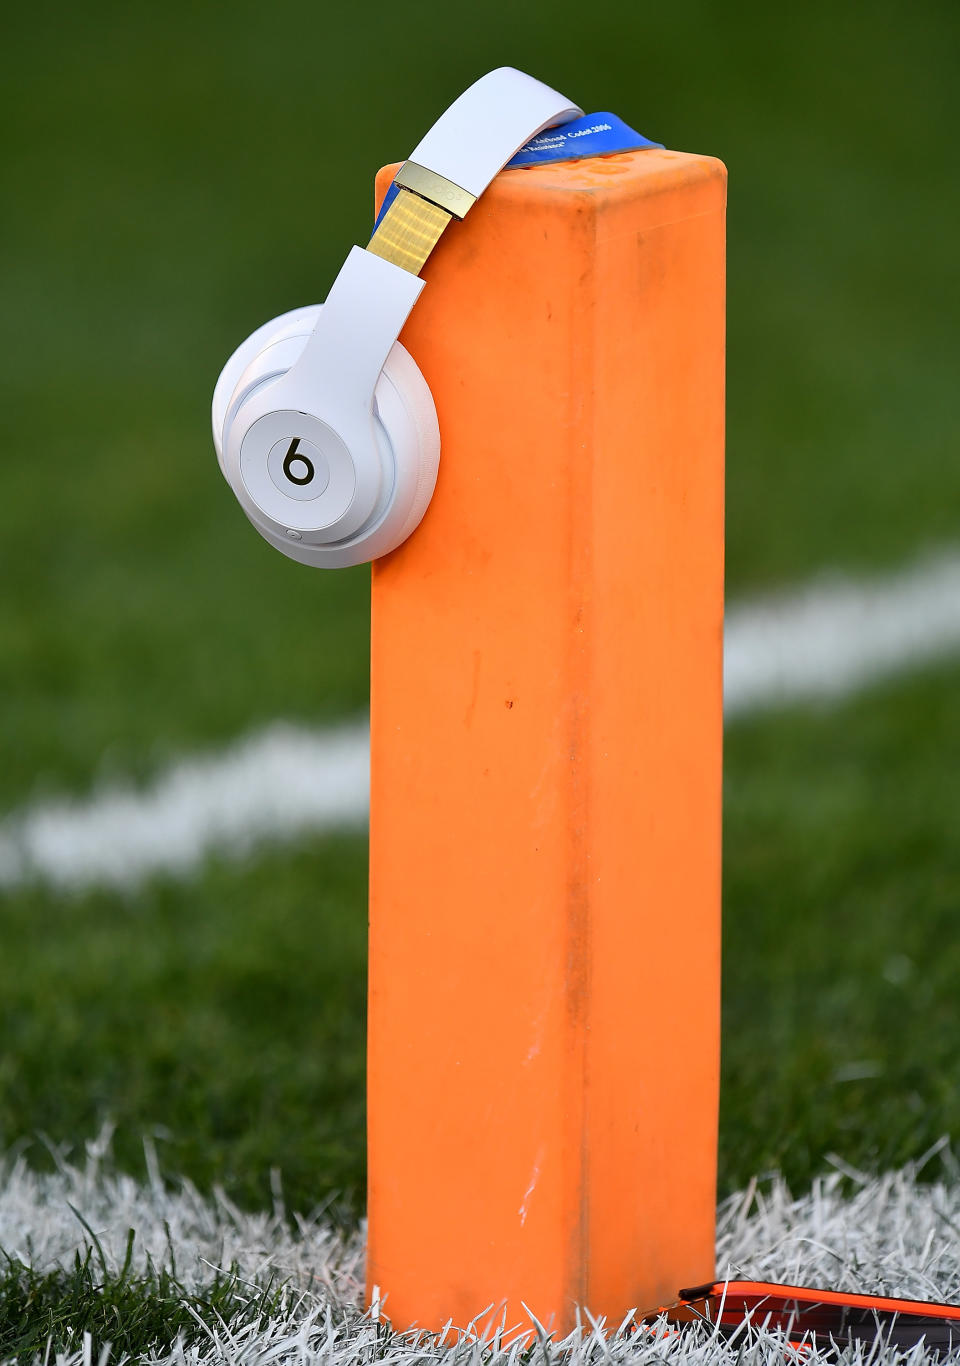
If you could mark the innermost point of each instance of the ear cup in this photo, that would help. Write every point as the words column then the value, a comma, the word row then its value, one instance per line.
column 407, row 440
column 257, row 350
column 408, row 413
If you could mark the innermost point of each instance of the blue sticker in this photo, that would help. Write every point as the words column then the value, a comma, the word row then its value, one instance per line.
column 593, row 135
column 388, row 199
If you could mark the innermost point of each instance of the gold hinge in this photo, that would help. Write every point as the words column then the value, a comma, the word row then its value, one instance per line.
column 409, row 231
column 437, row 188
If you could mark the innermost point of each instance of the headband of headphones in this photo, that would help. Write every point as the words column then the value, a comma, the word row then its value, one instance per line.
column 377, row 286
column 451, row 167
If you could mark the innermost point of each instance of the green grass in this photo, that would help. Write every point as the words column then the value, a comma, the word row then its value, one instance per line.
column 224, row 1018
column 841, row 955
column 134, row 1312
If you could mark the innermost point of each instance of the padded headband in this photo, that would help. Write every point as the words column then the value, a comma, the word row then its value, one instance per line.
column 457, row 159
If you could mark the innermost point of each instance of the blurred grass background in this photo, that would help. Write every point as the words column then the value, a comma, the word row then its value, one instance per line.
column 177, row 174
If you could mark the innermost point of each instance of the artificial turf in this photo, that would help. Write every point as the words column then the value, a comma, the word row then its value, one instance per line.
column 175, row 178
column 125, row 1313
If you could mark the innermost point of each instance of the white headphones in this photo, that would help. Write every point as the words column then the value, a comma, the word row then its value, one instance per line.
column 325, row 428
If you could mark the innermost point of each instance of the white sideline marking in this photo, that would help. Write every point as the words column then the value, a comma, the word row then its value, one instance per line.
column 275, row 785
column 887, row 1235
column 817, row 643
column 836, row 635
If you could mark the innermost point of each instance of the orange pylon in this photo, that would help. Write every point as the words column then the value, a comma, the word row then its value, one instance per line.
column 546, row 761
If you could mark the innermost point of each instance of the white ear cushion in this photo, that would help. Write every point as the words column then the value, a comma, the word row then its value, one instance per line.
column 406, row 417
column 415, row 441
column 299, row 322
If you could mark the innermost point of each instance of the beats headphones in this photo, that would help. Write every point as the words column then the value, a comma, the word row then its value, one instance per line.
column 324, row 427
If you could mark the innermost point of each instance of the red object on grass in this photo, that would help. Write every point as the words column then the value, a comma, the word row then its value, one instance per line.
column 809, row 1315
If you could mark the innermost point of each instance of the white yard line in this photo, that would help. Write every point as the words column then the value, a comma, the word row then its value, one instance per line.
column 836, row 635
column 814, row 644
column 278, row 784
column 883, row 1235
